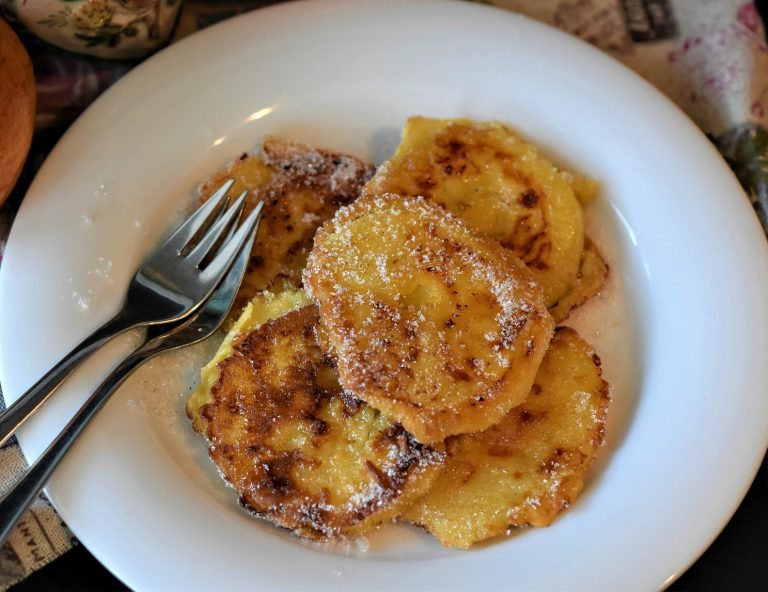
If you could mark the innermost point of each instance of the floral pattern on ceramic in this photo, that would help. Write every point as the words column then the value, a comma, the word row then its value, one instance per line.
column 118, row 29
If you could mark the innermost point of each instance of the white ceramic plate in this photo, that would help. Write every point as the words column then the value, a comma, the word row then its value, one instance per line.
column 680, row 327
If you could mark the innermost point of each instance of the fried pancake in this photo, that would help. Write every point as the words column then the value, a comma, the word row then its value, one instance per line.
column 500, row 185
column 298, row 450
column 440, row 329
column 529, row 467
column 593, row 271
column 262, row 308
column 585, row 189
column 301, row 188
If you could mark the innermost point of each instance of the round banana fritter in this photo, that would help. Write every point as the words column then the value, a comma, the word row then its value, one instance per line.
column 500, row 185
column 263, row 307
column 301, row 188
column 529, row 467
column 296, row 448
column 593, row 271
column 440, row 329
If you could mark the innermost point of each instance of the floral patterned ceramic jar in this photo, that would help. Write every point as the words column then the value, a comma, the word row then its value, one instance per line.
column 115, row 29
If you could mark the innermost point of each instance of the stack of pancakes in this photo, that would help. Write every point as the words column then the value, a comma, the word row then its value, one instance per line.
column 396, row 353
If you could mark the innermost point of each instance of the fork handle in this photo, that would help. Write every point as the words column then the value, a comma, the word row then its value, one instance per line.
column 21, row 409
column 15, row 502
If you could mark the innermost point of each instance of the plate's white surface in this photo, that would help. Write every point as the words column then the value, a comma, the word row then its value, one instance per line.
column 681, row 327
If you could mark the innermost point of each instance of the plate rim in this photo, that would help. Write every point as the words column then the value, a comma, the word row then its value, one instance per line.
column 280, row 8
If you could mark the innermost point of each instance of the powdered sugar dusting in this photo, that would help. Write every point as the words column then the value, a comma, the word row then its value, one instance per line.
column 408, row 293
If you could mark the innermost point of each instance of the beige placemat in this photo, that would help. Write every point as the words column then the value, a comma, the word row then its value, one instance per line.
column 39, row 537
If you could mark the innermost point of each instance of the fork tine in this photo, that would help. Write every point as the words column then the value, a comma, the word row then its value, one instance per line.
column 199, row 327
column 229, row 250
column 192, row 225
column 212, row 235
column 222, row 299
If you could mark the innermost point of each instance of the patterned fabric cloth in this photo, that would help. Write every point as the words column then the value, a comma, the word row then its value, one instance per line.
column 39, row 537
column 709, row 56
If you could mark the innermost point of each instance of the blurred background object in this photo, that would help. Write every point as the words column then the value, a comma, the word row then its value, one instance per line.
column 113, row 29
column 17, row 107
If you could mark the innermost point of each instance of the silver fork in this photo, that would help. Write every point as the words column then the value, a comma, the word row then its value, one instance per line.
column 170, row 284
column 158, row 339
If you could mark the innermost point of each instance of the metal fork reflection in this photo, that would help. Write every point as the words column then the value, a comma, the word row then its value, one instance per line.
column 170, row 284
column 158, row 339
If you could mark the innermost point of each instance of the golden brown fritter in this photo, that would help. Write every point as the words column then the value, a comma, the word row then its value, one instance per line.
column 264, row 307
column 593, row 271
column 527, row 469
column 301, row 188
column 441, row 330
column 437, row 328
column 299, row 451
column 500, row 185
